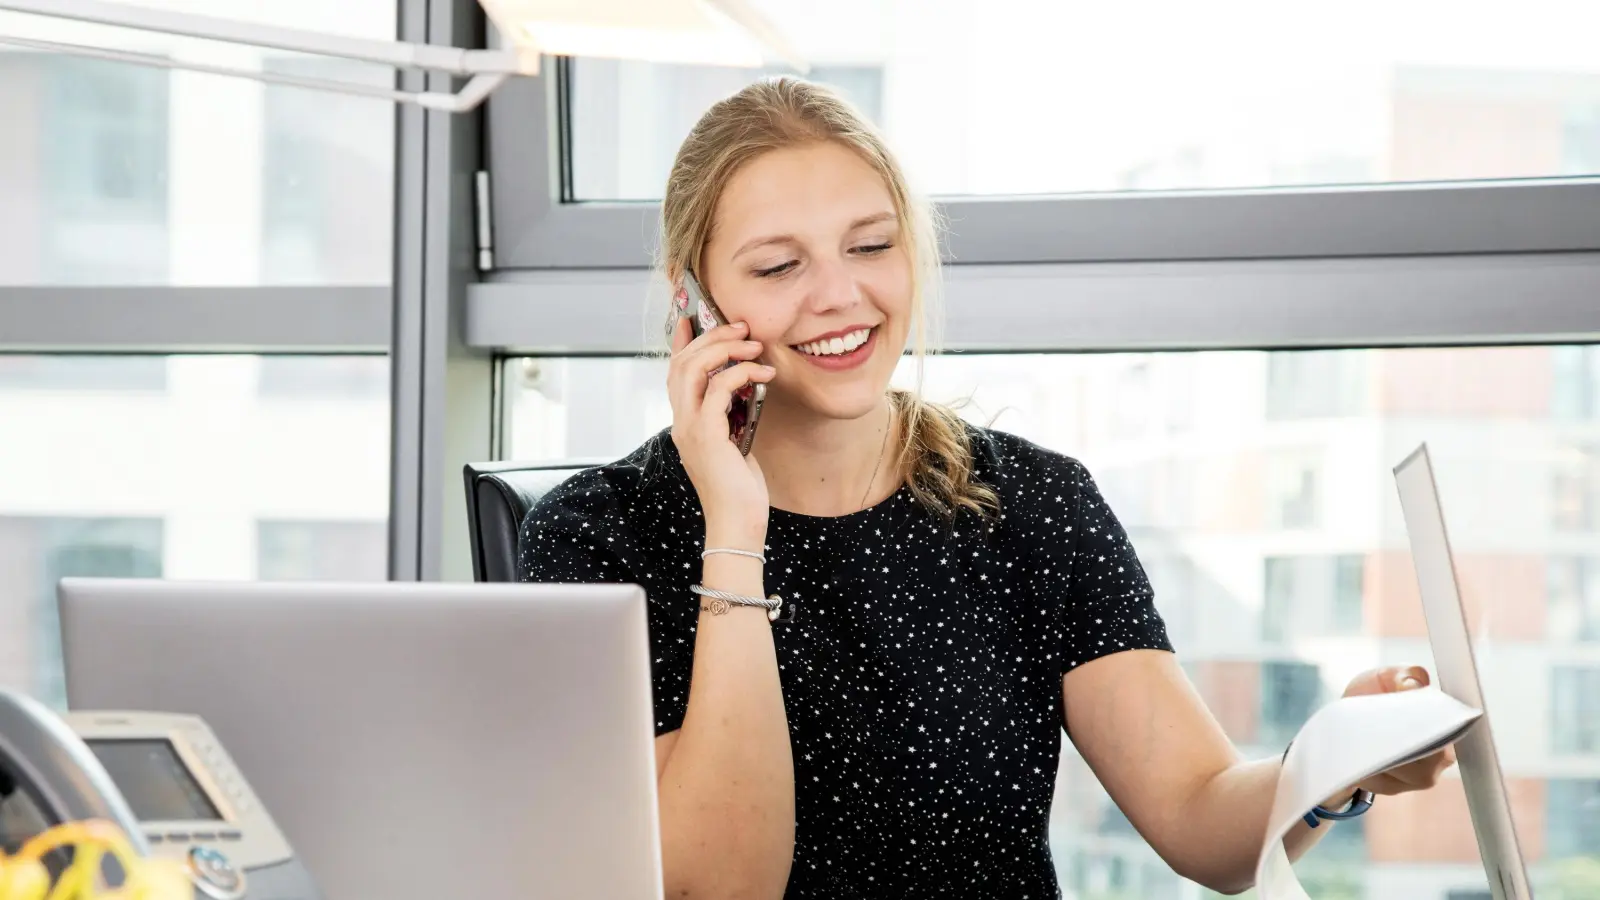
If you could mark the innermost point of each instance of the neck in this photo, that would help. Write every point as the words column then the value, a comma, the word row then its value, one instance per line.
column 818, row 466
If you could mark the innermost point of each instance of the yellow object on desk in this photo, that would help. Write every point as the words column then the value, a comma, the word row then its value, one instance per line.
column 23, row 875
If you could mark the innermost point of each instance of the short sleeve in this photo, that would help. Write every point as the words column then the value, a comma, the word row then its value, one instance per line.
column 578, row 535
column 1110, row 605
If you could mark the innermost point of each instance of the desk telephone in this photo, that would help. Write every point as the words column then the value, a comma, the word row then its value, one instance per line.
column 163, row 778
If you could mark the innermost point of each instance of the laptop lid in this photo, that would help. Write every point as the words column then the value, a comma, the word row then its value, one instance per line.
column 1456, row 673
column 413, row 741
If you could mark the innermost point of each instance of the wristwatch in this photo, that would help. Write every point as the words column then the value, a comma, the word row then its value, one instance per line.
column 1360, row 802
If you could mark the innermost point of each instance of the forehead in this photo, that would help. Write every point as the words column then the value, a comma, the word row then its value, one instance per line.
column 798, row 190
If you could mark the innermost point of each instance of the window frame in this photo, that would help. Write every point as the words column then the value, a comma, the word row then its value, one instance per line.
column 536, row 227
column 1219, row 304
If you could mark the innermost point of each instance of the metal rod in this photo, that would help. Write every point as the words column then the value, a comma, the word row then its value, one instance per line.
column 395, row 53
column 431, row 100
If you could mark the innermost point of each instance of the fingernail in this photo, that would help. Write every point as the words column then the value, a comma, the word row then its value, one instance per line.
column 769, row 370
column 1408, row 682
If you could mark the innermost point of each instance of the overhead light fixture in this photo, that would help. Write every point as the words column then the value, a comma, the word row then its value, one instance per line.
column 712, row 32
column 706, row 32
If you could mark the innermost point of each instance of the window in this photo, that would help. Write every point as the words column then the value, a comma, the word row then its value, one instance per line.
column 37, row 552
column 172, row 482
column 1572, row 818
column 1574, row 589
column 102, row 145
column 1293, row 498
column 322, row 551
column 1311, row 596
column 325, row 171
column 1290, row 693
column 1575, row 489
column 83, row 373
column 120, row 174
column 1239, row 526
column 1217, row 106
column 1349, row 584
column 352, row 377
column 632, row 116
column 1310, row 384
column 1575, row 710
column 1576, row 392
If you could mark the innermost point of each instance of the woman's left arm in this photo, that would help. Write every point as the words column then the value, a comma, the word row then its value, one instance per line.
column 1166, row 762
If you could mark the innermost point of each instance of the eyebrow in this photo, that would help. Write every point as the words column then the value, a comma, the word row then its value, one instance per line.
column 862, row 222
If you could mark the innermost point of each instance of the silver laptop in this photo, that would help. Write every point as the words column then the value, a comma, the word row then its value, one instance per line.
column 1456, row 673
column 413, row 741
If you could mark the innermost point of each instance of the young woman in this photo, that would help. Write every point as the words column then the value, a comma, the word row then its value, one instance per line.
column 960, row 595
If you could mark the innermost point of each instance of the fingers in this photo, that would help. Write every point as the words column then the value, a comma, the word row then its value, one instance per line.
column 1406, row 678
column 731, row 331
column 695, row 359
column 719, row 394
column 1417, row 775
column 688, row 383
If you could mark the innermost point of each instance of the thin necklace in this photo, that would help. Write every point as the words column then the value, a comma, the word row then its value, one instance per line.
column 879, row 464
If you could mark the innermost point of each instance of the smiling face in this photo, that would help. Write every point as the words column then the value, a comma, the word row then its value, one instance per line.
column 807, row 248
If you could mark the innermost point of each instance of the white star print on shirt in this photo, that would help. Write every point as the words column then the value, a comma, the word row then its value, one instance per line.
column 1002, row 629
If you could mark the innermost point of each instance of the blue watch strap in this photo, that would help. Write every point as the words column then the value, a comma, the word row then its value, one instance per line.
column 1360, row 802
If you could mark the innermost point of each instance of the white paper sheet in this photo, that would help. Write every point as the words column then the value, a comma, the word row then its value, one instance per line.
column 1341, row 744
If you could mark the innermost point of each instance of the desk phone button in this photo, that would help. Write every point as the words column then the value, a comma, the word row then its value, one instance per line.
column 155, row 838
column 205, row 835
column 230, row 835
column 215, row 874
column 177, row 837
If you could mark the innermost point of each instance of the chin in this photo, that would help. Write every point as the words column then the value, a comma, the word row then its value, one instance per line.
column 843, row 399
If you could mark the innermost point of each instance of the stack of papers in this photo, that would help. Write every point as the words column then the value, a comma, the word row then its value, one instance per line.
column 1343, row 744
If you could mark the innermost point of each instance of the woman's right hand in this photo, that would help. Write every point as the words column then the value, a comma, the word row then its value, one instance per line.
column 733, row 492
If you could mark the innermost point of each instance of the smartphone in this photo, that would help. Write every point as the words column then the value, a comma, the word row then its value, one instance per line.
column 745, row 412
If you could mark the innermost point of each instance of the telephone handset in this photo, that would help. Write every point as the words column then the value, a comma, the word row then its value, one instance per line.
column 162, row 778
column 49, row 776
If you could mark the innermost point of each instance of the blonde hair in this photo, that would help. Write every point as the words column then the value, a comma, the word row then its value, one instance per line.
column 936, row 449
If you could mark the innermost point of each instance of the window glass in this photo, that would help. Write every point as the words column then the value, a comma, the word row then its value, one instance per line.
column 119, row 174
column 1574, row 585
column 1015, row 97
column 1309, row 594
column 1290, row 693
column 1575, row 487
column 322, row 551
column 1575, row 710
column 197, row 475
column 1274, row 539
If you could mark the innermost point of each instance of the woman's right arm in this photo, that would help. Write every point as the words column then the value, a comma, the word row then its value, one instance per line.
column 726, row 776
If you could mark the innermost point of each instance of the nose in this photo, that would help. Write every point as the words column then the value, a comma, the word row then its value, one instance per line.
column 834, row 287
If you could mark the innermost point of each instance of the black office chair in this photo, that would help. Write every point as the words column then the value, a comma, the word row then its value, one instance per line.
column 499, row 496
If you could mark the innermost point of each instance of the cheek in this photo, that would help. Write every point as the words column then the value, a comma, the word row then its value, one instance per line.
column 770, row 320
column 890, row 287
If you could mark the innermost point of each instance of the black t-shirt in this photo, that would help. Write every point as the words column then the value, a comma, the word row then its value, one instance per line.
column 922, row 673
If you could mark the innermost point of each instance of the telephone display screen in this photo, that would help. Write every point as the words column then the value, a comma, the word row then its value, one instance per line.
column 154, row 779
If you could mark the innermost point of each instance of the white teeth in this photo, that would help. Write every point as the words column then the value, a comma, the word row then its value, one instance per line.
column 836, row 346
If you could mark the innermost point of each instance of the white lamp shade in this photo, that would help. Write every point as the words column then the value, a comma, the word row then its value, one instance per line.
column 705, row 32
